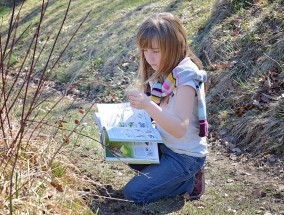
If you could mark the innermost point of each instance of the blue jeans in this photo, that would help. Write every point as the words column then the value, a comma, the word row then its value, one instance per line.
column 173, row 176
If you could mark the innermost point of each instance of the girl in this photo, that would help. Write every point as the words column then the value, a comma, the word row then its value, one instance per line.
column 172, row 78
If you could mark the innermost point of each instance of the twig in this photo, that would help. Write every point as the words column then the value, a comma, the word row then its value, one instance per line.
column 281, row 66
column 43, row 77
column 65, row 129
column 70, row 133
column 207, row 57
column 116, row 199
column 13, row 168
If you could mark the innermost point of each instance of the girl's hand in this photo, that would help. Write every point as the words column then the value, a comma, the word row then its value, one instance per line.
column 138, row 99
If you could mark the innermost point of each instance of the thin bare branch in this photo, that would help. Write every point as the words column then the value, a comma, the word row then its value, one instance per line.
column 71, row 132
column 23, row 117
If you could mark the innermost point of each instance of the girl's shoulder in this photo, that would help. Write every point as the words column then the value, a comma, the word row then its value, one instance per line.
column 190, row 83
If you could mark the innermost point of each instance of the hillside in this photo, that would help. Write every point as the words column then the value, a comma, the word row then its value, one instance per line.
column 240, row 41
column 246, row 78
column 241, row 45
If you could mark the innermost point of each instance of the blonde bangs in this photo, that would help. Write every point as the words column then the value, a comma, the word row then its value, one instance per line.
column 145, row 39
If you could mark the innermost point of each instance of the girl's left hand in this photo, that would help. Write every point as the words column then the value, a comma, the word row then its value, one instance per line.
column 138, row 99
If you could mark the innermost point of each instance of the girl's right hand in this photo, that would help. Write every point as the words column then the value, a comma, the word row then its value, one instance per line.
column 138, row 99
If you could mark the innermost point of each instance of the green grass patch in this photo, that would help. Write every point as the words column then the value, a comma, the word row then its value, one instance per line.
column 58, row 169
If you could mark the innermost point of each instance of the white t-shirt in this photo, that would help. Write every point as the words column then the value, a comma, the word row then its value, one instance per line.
column 191, row 143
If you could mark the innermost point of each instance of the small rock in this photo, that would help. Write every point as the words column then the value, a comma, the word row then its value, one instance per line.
column 277, row 201
column 76, row 92
column 255, row 102
column 208, row 182
column 244, row 159
column 245, row 173
column 223, row 132
column 237, row 150
column 280, row 188
column 272, row 159
column 267, row 83
column 230, row 180
column 233, row 157
column 232, row 64
column 276, row 29
column 257, row 193
column 232, row 210
column 230, row 145
column 125, row 64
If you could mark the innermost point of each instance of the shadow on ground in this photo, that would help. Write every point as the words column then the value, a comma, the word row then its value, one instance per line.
column 111, row 202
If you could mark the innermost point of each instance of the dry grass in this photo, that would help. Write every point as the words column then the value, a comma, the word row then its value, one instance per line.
column 245, row 48
column 263, row 133
column 35, row 179
column 38, row 188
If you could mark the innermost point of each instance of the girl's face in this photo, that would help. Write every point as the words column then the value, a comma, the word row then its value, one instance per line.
column 153, row 55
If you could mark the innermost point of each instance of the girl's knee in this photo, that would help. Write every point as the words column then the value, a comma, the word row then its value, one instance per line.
column 130, row 192
column 134, row 193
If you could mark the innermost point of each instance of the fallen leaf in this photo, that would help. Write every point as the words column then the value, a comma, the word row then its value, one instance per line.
column 214, row 67
column 235, row 32
column 237, row 23
column 82, row 111
column 60, row 122
column 240, row 111
column 56, row 185
column 66, row 139
column 5, row 186
column 224, row 66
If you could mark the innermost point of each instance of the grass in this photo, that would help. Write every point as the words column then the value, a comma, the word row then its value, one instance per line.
column 103, row 56
column 106, row 40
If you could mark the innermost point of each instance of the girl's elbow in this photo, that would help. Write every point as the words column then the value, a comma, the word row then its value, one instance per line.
column 180, row 134
column 181, row 130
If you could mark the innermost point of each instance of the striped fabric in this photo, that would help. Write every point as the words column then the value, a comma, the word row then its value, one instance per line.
column 183, row 73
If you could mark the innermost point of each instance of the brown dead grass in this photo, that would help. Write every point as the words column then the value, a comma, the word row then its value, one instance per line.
column 244, row 57
column 263, row 133
column 38, row 189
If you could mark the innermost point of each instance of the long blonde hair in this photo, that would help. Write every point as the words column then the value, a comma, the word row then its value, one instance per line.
column 170, row 34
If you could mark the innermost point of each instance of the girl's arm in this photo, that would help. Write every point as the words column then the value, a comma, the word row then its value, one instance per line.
column 176, row 124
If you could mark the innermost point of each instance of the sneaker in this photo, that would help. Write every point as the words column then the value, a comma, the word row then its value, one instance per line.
column 199, row 186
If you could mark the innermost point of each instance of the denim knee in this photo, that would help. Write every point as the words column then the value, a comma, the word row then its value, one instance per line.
column 131, row 192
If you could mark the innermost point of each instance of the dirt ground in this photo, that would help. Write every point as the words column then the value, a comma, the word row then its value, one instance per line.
column 235, row 184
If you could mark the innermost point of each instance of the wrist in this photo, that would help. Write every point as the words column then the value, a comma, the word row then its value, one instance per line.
column 149, row 106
